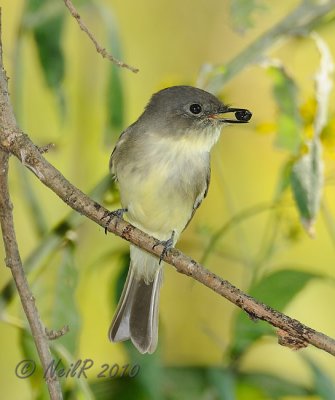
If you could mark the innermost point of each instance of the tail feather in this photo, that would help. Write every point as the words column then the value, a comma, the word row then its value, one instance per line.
column 136, row 317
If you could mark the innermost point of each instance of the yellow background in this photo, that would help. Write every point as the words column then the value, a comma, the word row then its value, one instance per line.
column 169, row 41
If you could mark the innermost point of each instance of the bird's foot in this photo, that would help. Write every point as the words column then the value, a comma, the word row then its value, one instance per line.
column 168, row 244
column 111, row 214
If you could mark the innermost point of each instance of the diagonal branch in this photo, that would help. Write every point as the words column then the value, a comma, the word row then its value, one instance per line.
column 19, row 144
column 291, row 332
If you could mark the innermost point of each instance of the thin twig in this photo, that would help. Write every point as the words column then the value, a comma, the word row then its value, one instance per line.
column 99, row 48
column 52, row 334
column 237, row 218
column 16, row 142
column 13, row 261
column 297, row 22
column 76, row 199
column 52, row 240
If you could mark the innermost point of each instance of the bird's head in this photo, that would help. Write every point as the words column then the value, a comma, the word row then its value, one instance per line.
column 181, row 108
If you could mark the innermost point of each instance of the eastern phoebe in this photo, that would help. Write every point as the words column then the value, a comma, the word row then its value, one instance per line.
column 162, row 164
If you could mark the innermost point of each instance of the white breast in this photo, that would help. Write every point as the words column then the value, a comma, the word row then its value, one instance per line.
column 164, row 179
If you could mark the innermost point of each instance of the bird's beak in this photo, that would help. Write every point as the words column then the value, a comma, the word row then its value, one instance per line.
column 241, row 114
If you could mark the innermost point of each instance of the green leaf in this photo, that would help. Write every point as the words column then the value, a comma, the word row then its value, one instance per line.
column 118, row 388
column 151, row 374
column 198, row 383
column 289, row 120
column 47, row 35
column 324, row 384
column 65, row 311
column 307, row 183
column 33, row 202
column 276, row 290
column 284, row 180
column 115, row 90
column 323, row 83
column 307, row 172
column 280, row 287
column 185, row 383
column 241, row 12
column 246, row 333
column 275, row 387
column 78, row 389
column 36, row 380
column 249, row 392
column 223, row 380
column 115, row 105
column 51, row 242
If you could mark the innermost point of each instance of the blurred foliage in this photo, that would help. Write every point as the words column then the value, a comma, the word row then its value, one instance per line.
column 39, row 391
column 47, row 34
column 325, row 386
column 289, row 120
column 64, row 293
column 299, row 134
column 242, row 12
column 202, row 383
column 114, row 89
column 276, row 290
column 307, row 183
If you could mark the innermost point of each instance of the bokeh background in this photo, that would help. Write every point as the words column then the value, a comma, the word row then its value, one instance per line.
column 249, row 230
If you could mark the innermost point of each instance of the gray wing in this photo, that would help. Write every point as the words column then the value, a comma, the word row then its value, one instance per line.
column 200, row 197
column 114, row 156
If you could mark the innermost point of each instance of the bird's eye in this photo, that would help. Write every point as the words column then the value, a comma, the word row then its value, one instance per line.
column 195, row 108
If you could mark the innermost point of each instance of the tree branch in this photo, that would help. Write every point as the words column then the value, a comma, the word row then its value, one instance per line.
column 13, row 261
column 299, row 21
column 99, row 49
column 16, row 142
column 291, row 332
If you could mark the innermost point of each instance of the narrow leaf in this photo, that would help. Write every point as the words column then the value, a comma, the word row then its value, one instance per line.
column 223, row 380
column 65, row 311
column 307, row 172
column 277, row 290
column 47, row 35
column 307, row 184
column 280, row 287
column 324, row 384
column 115, row 105
column 80, row 389
column 284, row 180
column 118, row 388
column 115, row 91
column 289, row 120
column 275, row 387
column 51, row 242
column 32, row 366
column 34, row 204
column 323, row 83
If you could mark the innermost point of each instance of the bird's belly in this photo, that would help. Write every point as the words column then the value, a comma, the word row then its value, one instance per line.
column 162, row 200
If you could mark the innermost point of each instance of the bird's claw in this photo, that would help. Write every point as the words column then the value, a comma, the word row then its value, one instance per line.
column 168, row 244
column 111, row 214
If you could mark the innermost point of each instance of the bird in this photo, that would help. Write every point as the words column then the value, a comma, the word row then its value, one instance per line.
column 162, row 165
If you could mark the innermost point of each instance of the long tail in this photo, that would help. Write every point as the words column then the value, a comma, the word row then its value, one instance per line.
column 136, row 317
